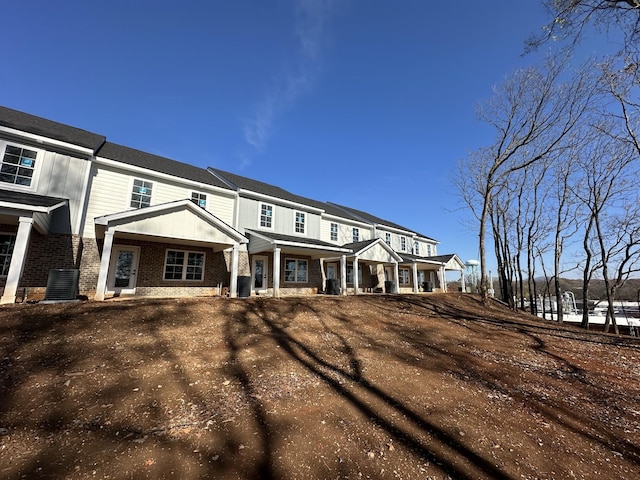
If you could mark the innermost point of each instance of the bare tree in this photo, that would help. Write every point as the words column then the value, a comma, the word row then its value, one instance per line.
column 532, row 113
column 571, row 18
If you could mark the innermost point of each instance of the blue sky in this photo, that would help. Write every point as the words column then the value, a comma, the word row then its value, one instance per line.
column 367, row 103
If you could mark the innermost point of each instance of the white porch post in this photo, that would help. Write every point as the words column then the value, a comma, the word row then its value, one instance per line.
column 233, row 282
column 276, row 272
column 396, row 275
column 18, row 258
column 101, row 288
column 462, row 284
column 324, row 277
column 343, row 275
column 356, row 283
column 415, row 277
column 443, row 280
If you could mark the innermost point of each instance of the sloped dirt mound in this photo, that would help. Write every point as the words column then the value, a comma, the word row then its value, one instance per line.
column 413, row 387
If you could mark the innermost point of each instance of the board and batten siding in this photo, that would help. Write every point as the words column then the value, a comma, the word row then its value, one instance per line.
column 63, row 176
column 345, row 231
column 283, row 218
column 111, row 193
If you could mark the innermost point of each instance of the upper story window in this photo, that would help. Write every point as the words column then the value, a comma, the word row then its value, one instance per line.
column 18, row 165
column 266, row 215
column 300, row 220
column 7, row 242
column 356, row 234
column 141, row 193
column 199, row 199
column 334, row 232
column 387, row 238
column 416, row 248
column 403, row 244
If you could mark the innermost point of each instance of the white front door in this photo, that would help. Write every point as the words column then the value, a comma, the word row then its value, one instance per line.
column 123, row 270
column 259, row 271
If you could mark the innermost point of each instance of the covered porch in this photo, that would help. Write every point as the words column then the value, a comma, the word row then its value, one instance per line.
column 286, row 264
column 20, row 213
column 171, row 249
column 371, row 266
column 427, row 274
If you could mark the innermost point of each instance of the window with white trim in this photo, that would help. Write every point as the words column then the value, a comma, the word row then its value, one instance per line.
column 141, row 193
column 416, row 248
column 300, row 222
column 387, row 238
column 184, row 265
column 199, row 199
column 428, row 249
column 356, row 234
column 266, row 215
column 18, row 165
column 404, row 276
column 296, row 270
column 7, row 242
column 403, row 244
column 334, row 232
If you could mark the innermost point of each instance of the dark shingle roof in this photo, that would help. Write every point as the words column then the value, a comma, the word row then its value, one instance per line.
column 156, row 163
column 250, row 184
column 293, row 239
column 29, row 199
column 48, row 128
column 357, row 246
column 367, row 217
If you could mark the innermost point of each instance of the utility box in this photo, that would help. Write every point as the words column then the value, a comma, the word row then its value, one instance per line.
column 62, row 284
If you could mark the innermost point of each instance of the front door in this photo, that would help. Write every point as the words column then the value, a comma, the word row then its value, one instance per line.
column 332, row 270
column 123, row 270
column 259, row 270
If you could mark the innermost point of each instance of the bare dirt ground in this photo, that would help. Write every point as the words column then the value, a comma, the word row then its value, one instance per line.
column 412, row 387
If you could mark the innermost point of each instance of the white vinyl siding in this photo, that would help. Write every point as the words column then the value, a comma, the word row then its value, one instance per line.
column 110, row 193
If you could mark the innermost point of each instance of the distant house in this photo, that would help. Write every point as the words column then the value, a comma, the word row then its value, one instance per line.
column 133, row 223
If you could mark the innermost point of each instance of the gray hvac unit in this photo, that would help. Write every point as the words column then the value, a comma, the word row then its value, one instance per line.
column 62, row 284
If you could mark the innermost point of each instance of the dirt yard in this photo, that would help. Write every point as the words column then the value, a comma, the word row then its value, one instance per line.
column 411, row 387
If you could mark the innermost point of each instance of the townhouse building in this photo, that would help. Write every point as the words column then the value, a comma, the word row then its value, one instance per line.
column 119, row 221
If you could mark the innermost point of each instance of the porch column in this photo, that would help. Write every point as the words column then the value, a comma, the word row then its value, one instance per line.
column 462, row 284
column 101, row 288
column 415, row 277
column 324, row 277
column 18, row 258
column 396, row 275
column 343, row 275
column 356, row 283
column 233, row 283
column 276, row 272
column 443, row 280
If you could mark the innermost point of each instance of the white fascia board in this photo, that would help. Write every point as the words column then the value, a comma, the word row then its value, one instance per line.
column 281, row 201
column 149, row 211
column 426, row 239
column 289, row 243
column 429, row 262
column 44, row 141
column 329, row 216
column 148, row 172
column 31, row 208
column 384, row 245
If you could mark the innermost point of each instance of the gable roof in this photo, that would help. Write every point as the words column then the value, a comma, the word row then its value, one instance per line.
column 48, row 128
column 30, row 199
column 138, row 158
